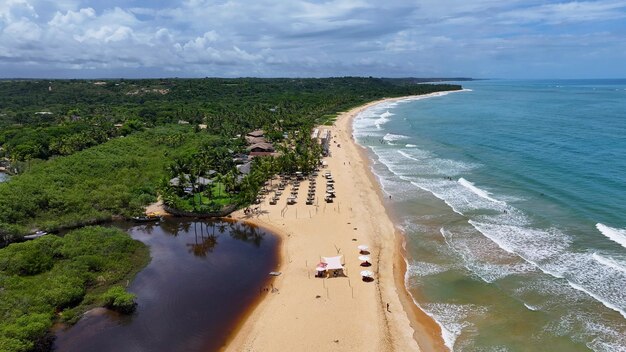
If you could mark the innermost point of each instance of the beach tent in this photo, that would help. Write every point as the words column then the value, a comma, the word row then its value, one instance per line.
column 333, row 264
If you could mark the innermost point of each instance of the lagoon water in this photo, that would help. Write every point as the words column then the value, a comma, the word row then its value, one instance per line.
column 3, row 177
column 203, row 276
column 512, row 198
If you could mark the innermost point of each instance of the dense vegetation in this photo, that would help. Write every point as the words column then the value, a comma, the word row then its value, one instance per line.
column 60, row 277
column 38, row 119
column 297, row 152
column 86, row 151
column 116, row 178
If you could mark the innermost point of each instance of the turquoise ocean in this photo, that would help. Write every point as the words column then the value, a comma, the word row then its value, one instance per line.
column 512, row 198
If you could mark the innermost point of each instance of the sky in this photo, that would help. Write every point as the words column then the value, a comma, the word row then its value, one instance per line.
column 299, row 38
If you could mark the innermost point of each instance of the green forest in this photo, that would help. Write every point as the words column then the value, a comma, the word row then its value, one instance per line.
column 40, row 119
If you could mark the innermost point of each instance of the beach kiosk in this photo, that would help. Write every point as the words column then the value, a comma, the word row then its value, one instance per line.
column 333, row 265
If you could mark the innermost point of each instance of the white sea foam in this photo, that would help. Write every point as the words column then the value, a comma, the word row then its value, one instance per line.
column 605, row 338
column 408, row 156
column 615, row 235
column 370, row 120
column 429, row 164
column 534, row 309
column 586, row 277
column 461, row 199
column 549, row 250
column 394, row 137
column 386, row 114
column 601, row 334
column 599, row 299
column 482, row 257
column 416, row 268
column 381, row 121
column 453, row 319
column 481, row 193
column 610, row 262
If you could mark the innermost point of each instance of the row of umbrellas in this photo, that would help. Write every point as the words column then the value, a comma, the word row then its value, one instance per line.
column 363, row 249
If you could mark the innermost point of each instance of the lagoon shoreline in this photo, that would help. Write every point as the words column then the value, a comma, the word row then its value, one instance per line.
column 342, row 313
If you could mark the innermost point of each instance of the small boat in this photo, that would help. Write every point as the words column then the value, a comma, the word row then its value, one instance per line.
column 35, row 235
column 146, row 218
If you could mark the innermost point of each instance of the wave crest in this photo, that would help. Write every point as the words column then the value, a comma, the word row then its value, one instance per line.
column 615, row 235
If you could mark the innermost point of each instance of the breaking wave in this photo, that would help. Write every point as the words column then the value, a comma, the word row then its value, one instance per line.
column 615, row 235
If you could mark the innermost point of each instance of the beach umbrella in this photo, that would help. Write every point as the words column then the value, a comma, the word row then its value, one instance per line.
column 364, row 258
column 367, row 273
column 363, row 247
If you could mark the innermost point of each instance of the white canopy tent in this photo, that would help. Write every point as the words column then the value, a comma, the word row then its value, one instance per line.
column 334, row 264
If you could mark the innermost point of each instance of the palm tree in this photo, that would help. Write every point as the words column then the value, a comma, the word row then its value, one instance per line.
column 219, row 179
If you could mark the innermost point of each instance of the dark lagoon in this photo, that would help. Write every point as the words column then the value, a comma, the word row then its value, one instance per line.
column 202, row 279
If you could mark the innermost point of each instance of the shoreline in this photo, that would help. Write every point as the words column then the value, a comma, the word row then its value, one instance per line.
column 340, row 313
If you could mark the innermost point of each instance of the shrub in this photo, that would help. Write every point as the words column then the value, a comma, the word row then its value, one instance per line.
column 116, row 298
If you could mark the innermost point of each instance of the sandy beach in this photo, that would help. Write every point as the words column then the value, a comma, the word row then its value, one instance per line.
column 303, row 313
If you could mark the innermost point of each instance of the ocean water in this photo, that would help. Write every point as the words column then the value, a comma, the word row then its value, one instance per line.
column 512, row 198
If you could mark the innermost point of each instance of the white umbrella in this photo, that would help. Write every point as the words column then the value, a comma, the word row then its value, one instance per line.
column 367, row 273
column 364, row 258
column 363, row 247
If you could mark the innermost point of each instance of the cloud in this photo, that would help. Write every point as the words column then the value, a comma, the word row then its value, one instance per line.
column 16, row 10
column 306, row 37
column 570, row 12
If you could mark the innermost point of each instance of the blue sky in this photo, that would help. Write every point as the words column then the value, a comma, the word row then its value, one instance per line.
column 276, row 38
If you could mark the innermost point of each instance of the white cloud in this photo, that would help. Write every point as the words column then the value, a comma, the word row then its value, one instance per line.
column 72, row 18
column 200, row 43
column 15, row 10
column 305, row 37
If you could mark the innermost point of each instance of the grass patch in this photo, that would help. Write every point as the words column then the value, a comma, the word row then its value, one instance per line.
column 327, row 120
column 206, row 202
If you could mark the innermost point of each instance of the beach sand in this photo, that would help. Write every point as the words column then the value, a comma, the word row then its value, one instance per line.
column 303, row 313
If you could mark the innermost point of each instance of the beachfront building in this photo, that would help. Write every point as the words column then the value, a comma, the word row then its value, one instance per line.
column 256, row 134
column 325, row 140
column 201, row 183
column 261, row 147
column 254, row 140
